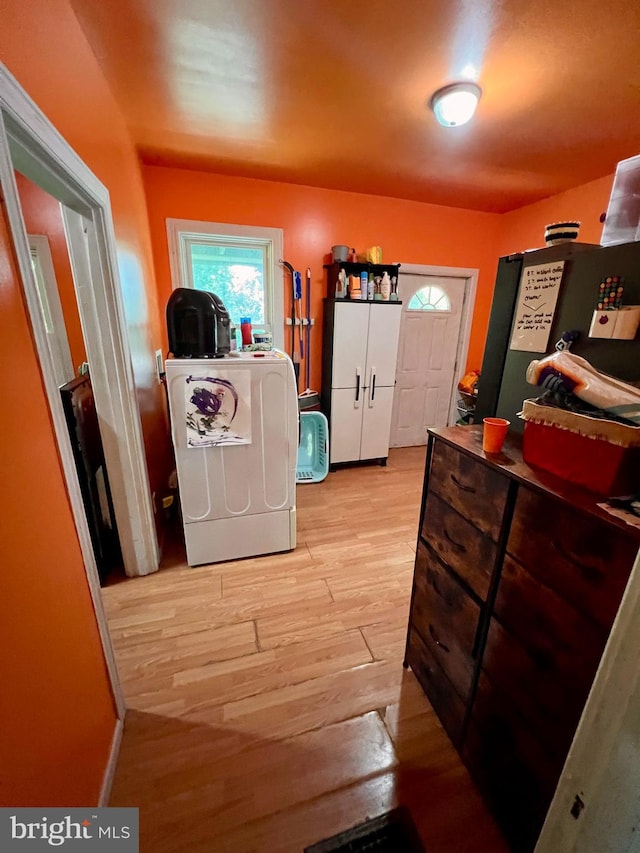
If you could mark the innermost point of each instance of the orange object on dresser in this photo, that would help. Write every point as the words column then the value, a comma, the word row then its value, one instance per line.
column 602, row 456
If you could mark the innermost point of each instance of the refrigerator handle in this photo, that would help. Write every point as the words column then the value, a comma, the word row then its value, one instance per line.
column 372, row 387
column 356, row 402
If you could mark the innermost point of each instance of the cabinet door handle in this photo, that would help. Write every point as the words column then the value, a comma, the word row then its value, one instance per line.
column 455, row 544
column 462, row 485
column 435, row 639
column 357, row 384
column 592, row 573
column 373, row 386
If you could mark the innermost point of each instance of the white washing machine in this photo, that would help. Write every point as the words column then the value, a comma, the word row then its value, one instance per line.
column 234, row 424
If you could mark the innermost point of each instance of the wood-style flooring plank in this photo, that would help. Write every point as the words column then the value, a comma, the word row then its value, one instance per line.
column 267, row 703
column 269, row 778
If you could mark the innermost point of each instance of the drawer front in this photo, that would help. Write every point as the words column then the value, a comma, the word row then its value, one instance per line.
column 459, row 544
column 476, row 491
column 510, row 766
column 536, row 688
column 562, row 640
column 446, row 618
column 585, row 560
column 445, row 701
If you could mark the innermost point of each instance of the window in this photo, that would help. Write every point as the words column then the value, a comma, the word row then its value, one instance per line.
column 238, row 263
column 430, row 298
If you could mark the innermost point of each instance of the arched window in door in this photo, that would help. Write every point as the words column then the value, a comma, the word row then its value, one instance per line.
column 429, row 298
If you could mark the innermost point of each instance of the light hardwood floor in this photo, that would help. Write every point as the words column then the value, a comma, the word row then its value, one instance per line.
column 267, row 703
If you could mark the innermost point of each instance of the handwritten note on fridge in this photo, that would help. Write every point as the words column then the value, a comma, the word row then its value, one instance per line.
column 536, row 306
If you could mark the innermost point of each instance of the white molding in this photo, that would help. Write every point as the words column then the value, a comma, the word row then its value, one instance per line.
column 471, row 286
column 180, row 230
column 23, row 256
column 57, row 337
column 112, row 763
column 93, row 268
column 44, row 154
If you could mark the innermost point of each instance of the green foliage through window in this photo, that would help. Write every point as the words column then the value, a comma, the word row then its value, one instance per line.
column 235, row 273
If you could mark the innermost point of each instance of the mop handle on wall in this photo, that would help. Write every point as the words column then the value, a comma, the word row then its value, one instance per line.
column 308, row 295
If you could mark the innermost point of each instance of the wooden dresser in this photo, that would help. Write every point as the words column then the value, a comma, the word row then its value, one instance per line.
column 517, row 580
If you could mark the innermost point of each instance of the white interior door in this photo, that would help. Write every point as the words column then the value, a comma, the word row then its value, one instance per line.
column 429, row 334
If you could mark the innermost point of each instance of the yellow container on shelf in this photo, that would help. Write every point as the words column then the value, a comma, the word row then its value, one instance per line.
column 374, row 255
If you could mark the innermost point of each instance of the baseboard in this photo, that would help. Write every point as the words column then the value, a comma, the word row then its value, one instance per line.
column 110, row 770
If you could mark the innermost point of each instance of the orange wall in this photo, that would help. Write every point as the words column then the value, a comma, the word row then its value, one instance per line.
column 42, row 215
column 314, row 219
column 524, row 228
column 43, row 46
column 57, row 711
column 58, row 715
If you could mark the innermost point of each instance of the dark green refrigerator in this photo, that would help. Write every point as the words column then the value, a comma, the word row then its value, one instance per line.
column 502, row 385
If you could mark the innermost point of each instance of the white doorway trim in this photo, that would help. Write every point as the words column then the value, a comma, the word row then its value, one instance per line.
column 33, row 145
column 471, row 285
column 28, row 141
column 51, row 307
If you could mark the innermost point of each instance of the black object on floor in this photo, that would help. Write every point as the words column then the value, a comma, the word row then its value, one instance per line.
column 392, row 832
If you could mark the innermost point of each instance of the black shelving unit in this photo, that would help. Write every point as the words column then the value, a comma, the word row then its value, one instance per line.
column 355, row 269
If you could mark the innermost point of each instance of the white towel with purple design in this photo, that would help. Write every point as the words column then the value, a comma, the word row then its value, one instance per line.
column 218, row 408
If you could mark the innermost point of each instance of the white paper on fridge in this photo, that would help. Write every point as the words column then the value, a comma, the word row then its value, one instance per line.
column 218, row 408
column 536, row 306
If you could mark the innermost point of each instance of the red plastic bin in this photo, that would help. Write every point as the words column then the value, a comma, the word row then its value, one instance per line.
column 599, row 465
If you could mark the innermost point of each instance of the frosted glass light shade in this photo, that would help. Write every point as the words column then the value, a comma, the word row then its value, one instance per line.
column 455, row 105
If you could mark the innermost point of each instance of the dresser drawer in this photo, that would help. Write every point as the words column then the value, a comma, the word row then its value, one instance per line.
column 585, row 560
column 516, row 776
column 459, row 544
column 445, row 701
column 560, row 638
column 537, row 688
column 476, row 491
column 446, row 617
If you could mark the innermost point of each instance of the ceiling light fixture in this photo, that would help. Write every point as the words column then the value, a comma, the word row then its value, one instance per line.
column 455, row 104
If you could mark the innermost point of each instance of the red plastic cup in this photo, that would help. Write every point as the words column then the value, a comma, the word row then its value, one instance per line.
column 493, row 435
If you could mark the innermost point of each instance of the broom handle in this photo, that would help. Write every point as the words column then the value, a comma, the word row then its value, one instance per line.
column 308, row 328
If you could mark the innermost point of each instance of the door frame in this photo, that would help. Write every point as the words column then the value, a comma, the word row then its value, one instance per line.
column 471, row 285
column 58, row 338
column 30, row 142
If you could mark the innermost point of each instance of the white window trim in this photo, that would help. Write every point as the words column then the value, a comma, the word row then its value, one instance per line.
column 180, row 231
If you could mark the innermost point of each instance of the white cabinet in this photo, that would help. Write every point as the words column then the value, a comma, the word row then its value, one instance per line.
column 359, row 367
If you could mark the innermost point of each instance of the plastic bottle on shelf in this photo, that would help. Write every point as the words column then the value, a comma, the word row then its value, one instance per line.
column 371, row 287
column 385, row 287
column 246, row 331
column 363, row 285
